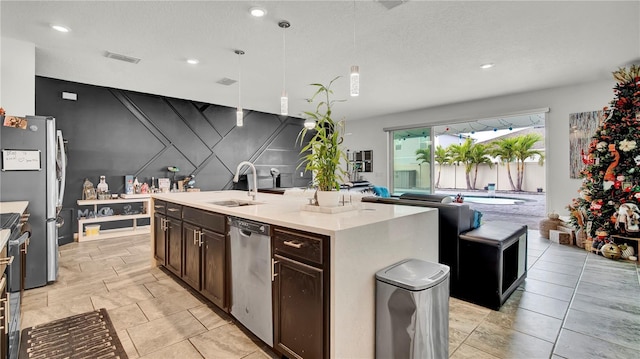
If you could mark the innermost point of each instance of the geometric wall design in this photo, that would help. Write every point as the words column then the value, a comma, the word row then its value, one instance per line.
column 115, row 132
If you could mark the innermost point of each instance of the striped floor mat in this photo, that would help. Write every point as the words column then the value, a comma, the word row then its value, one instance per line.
column 87, row 335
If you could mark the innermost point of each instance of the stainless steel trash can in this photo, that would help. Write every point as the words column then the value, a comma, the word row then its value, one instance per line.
column 412, row 310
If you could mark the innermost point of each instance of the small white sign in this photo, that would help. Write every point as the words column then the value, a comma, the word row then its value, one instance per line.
column 164, row 184
column 21, row 160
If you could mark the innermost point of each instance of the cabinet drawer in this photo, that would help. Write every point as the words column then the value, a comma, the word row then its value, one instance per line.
column 174, row 210
column 204, row 219
column 160, row 206
column 298, row 245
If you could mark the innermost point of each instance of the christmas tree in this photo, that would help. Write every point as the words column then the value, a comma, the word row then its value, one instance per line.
column 609, row 197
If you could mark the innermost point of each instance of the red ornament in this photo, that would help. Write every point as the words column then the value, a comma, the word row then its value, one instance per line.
column 617, row 184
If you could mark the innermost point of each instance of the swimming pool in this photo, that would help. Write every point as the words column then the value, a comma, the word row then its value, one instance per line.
column 493, row 200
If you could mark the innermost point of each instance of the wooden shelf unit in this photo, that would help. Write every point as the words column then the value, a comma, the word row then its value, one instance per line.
column 118, row 232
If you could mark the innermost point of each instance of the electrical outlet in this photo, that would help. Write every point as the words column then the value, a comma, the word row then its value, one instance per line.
column 301, row 174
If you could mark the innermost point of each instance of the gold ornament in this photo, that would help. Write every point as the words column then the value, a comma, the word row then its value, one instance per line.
column 611, row 251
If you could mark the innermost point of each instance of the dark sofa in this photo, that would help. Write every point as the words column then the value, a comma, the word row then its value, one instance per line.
column 453, row 219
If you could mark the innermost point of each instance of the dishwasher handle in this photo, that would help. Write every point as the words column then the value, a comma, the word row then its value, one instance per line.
column 244, row 232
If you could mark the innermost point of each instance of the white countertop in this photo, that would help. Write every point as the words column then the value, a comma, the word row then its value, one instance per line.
column 14, row 207
column 4, row 237
column 286, row 210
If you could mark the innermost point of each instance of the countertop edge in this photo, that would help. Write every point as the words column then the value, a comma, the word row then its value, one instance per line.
column 286, row 211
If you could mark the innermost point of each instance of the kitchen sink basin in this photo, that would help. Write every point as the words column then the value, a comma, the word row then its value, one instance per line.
column 234, row 203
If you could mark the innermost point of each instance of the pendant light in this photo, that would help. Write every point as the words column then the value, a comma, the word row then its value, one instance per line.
column 354, row 79
column 284, row 99
column 239, row 114
column 310, row 123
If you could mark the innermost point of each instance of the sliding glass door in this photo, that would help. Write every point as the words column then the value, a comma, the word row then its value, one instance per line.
column 411, row 159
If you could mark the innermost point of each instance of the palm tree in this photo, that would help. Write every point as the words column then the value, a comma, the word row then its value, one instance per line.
column 442, row 157
column 523, row 151
column 423, row 155
column 461, row 153
column 479, row 154
column 504, row 148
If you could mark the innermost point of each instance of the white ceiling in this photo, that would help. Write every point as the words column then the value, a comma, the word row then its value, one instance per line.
column 419, row 54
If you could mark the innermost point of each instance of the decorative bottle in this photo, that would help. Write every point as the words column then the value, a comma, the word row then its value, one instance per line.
column 136, row 186
column 103, row 187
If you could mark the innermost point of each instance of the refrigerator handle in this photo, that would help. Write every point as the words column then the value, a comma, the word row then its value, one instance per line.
column 63, row 169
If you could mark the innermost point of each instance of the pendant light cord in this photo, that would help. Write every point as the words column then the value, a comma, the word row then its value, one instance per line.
column 284, row 24
column 239, row 53
column 354, row 30
column 284, row 59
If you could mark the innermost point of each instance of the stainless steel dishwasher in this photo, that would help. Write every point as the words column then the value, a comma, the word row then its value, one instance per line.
column 250, row 244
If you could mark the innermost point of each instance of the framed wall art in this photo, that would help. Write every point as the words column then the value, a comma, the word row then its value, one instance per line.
column 582, row 127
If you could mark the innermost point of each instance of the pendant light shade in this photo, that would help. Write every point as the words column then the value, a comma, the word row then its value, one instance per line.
column 284, row 99
column 239, row 114
column 239, row 117
column 284, row 103
column 310, row 123
column 354, row 81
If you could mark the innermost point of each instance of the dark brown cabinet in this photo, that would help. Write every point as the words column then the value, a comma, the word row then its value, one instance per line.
column 159, row 248
column 173, row 229
column 167, row 234
column 205, row 253
column 159, row 233
column 300, row 294
column 213, row 283
column 191, row 242
column 173, row 232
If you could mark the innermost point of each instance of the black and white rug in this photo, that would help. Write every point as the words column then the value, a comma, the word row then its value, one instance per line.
column 87, row 335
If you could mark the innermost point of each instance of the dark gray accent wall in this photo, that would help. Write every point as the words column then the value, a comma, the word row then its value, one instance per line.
column 115, row 132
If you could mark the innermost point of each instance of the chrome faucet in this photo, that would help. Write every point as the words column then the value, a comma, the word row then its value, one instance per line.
column 255, row 178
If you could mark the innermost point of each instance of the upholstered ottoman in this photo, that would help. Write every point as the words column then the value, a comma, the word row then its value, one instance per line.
column 493, row 262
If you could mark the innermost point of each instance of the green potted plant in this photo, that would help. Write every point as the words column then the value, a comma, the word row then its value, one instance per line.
column 322, row 154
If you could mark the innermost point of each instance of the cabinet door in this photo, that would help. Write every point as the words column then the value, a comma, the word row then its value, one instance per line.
column 4, row 317
column 159, row 237
column 213, row 267
column 191, row 259
column 174, row 246
column 298, row 309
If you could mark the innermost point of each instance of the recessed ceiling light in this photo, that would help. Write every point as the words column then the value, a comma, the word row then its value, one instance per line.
column 193, row 61
column 487, row 66
column 257, row 12
column 60, row 28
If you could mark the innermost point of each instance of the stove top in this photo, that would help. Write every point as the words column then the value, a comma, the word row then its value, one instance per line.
column 9, row 220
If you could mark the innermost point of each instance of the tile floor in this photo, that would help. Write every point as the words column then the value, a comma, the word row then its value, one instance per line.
column 572, row 305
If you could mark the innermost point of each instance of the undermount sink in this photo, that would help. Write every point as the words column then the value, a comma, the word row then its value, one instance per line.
column 233, row 203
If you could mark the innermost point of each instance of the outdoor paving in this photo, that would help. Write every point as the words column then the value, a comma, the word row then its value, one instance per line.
column 530, row 212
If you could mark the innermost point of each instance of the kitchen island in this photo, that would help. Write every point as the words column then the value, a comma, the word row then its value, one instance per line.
column 358, row 243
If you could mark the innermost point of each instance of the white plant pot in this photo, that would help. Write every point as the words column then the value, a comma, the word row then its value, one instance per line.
column 328, row 198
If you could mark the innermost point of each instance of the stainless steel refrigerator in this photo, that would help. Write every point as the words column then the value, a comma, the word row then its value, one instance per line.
column 33, row 169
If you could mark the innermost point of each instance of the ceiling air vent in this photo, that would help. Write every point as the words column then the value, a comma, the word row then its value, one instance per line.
column 390, row 4
column 226, row 81
column 125, row 58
